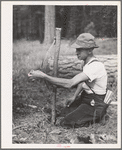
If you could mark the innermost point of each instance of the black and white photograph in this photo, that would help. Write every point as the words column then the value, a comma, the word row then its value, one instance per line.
column 61, row 80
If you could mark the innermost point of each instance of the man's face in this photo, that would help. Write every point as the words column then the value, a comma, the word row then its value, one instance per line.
column 82, row 54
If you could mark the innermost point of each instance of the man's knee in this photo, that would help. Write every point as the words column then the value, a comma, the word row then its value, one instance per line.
column 67, row 123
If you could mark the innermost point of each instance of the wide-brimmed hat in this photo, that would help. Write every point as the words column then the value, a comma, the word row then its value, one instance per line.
column 85, row 40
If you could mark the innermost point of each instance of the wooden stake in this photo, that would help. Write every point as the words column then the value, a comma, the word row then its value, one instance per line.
column 55, row 71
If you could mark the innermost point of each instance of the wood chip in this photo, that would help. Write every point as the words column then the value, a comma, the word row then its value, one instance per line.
column 56, row 131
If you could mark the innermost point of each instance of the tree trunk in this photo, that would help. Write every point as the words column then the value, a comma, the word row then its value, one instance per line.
column 19, row 26
column 72, row 22
column 84, row 18
column 65, row 19
column 49, row 24
column 40, row 30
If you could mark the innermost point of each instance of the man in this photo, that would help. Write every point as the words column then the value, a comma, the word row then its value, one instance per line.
column 92, row 82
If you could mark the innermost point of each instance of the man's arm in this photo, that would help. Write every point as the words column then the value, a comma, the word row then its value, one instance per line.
column 78, row 90
column 81, row 86
column 62, row 82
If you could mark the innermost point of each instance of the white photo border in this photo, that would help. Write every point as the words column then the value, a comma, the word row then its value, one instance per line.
column 6, row 73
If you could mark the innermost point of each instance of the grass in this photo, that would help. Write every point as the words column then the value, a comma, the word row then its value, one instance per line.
column 29, row 55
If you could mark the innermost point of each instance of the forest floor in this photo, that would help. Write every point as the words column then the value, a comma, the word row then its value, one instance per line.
column 32, row 101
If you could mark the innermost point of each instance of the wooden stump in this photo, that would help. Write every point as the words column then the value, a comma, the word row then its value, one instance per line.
column 55, row 71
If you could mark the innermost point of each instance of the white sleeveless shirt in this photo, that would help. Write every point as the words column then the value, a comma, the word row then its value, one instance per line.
column 97, row 75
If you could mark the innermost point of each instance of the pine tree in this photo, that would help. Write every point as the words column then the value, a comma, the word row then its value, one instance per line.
column 49, row 24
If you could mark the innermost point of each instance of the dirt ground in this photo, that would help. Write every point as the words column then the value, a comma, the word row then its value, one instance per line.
column 32, row 121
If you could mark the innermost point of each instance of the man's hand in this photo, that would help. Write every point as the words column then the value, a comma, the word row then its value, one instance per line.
column 70, row 101
column 36, row 73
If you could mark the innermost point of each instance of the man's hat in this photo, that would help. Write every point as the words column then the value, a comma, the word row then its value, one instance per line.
column 85, row 40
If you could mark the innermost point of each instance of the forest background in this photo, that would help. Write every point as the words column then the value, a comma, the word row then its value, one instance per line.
column 29, row 21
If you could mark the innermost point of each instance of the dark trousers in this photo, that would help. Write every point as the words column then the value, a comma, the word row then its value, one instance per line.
column 82, row 113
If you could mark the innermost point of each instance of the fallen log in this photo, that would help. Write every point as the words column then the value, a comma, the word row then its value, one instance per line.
column 69, row 66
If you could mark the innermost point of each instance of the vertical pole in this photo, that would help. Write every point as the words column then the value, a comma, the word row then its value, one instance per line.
column 55, row 71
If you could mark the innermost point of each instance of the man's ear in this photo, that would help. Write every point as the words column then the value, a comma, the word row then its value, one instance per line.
column 89, row 51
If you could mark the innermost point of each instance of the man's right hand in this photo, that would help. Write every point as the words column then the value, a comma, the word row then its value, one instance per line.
column 36, row 73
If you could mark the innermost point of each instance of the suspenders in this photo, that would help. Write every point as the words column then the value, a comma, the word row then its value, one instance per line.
column 85, row 82
column 93, row 61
